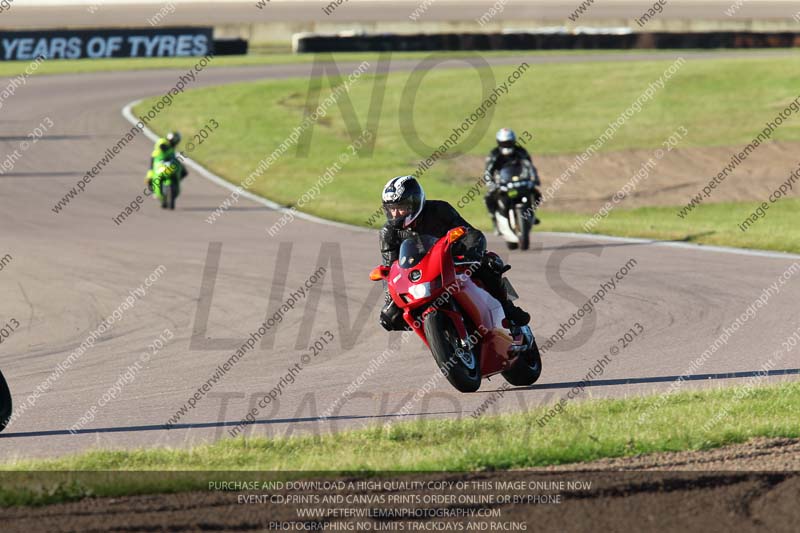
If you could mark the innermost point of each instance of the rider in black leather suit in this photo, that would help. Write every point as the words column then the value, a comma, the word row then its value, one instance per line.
column 409, row 214
column 507, row 150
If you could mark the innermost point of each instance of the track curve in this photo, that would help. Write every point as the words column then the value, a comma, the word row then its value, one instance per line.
column 70, row 270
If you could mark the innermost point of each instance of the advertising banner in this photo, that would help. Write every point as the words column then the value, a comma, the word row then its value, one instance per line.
column 102, row 43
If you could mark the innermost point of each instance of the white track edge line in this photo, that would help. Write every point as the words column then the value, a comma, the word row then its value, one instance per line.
column 683, row 245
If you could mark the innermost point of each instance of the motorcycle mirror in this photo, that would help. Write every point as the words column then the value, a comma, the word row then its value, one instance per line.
column 378, row 273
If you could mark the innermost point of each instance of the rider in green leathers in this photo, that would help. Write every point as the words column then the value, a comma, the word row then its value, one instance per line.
column 164, row 150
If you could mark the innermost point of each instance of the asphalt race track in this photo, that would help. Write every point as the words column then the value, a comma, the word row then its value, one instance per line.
column 72, row 269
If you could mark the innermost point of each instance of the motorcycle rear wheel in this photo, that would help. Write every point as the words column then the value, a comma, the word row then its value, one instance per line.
column 445, row 345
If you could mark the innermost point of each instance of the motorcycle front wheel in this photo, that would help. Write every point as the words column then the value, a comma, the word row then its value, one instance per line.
column 459, row 366
column 527, row 368
column 168, row 194
column 523, row 228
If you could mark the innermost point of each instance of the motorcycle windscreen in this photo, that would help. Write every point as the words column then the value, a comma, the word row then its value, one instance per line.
column 510, row 171
column 414, row 249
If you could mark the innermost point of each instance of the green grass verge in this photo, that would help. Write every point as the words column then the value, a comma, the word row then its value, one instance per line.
column 565, row 106
column 716, row 224
column 584, row 431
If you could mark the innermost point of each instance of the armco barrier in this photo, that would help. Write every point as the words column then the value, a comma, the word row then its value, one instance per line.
column 541, row 41
column 230, row 47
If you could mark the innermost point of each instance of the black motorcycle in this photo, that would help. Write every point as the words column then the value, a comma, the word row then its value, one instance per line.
column 514, row 216
column 5, row 403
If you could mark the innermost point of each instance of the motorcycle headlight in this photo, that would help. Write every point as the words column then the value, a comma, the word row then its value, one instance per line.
column 420, row 290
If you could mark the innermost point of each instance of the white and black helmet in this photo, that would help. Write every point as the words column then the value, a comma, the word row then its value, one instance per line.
column 506, row 140
column 405, row 196
column 174, row 138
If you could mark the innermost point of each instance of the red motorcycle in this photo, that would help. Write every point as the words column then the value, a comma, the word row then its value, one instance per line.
column 462, row 324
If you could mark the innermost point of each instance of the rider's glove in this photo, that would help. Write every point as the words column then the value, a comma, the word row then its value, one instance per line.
column 385, row 323
column 495, row 263
column 387, row 319
column 392, row 318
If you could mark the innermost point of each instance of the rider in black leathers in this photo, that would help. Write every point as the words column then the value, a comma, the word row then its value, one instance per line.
column 409, row 214
column 507, row 150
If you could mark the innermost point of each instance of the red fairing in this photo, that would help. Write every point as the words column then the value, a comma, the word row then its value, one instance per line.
column 436, row 286
column 485, row 310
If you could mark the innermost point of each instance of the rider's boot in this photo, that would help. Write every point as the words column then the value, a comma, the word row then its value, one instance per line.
column 494, row 283
column 148, row 180
column 518, row 316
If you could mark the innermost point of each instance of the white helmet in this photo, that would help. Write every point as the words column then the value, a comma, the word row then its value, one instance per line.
column 506, row 140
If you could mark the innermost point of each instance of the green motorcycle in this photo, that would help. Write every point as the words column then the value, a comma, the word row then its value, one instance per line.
column 166, row 182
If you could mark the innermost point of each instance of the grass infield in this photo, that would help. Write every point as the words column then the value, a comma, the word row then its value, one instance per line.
column 712, row 223
column 565, row 107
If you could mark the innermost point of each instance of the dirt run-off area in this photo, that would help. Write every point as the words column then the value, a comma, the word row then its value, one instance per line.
column 748, row 487
column 673, row 180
